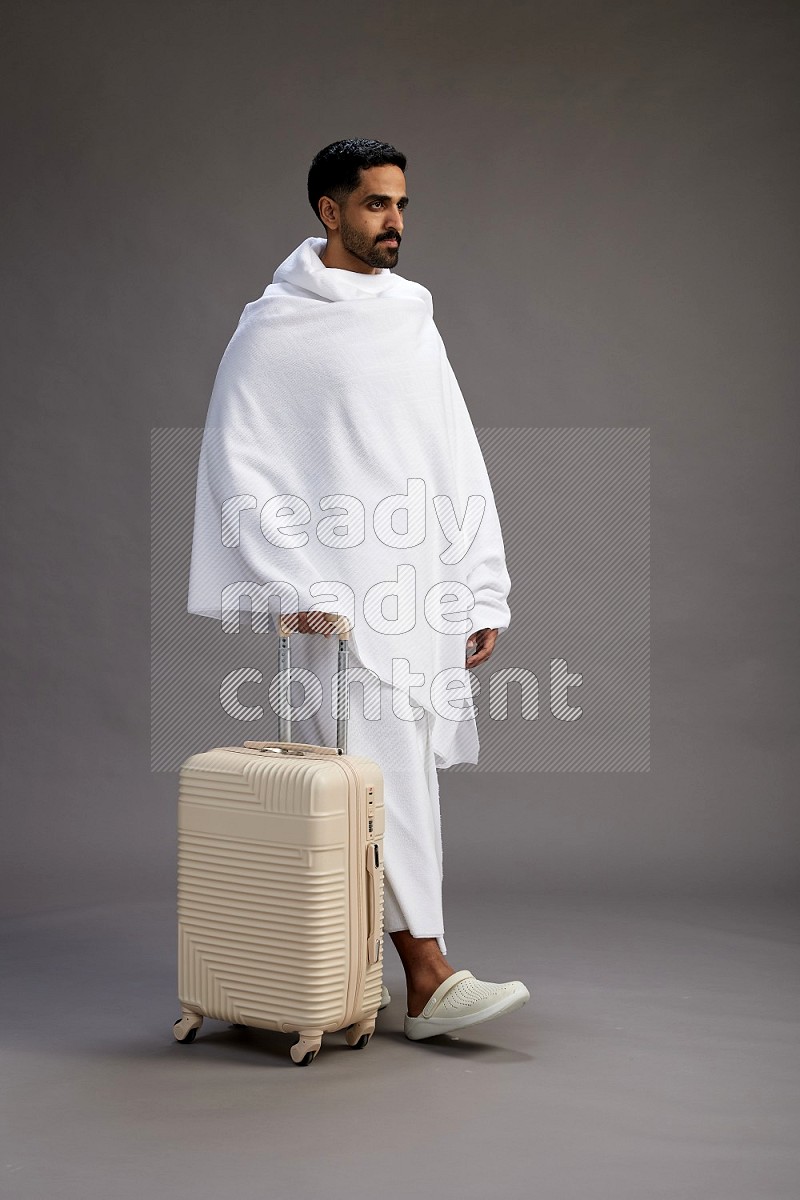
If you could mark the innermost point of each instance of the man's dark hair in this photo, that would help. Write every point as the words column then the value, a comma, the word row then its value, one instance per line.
column 336, row 170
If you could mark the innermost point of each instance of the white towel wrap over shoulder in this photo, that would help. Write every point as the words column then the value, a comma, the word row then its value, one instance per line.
column 338, row 462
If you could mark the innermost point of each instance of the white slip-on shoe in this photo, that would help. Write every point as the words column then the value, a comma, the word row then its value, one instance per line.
column 385, row 998
column 463, row 1000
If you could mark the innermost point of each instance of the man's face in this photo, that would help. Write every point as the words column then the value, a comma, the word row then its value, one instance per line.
column 372, row 217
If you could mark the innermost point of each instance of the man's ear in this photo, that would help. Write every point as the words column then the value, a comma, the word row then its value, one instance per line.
column 329, row 212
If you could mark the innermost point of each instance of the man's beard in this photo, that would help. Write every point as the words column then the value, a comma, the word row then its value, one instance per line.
column 365, row 248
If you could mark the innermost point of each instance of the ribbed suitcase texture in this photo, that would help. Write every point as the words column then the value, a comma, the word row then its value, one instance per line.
column 281, row 891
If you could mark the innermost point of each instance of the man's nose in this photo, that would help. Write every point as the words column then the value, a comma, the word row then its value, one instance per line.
column 394, row 219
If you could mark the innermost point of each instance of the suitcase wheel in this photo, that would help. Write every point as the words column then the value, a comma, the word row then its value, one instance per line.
column 358, row 1035
column 186, row 1027
column 306, row 1048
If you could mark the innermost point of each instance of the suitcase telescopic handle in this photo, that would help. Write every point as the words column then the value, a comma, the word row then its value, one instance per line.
column 287, row 624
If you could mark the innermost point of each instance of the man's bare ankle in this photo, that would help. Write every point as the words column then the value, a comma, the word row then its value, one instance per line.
column 425, row 967
column 420, row 989
column 427, row 979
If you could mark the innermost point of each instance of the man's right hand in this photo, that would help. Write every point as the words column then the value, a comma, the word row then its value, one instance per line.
column 309, row 622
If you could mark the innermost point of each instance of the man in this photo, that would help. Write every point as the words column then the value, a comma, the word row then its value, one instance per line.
column 335, row 391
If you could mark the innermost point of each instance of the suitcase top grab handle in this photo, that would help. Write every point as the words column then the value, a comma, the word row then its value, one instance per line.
column 288, row 624
column 298, row 748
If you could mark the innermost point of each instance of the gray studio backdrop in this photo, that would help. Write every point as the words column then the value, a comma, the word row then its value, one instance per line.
column 602, row 205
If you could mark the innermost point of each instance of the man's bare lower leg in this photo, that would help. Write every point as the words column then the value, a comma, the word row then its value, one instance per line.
column 425, row 967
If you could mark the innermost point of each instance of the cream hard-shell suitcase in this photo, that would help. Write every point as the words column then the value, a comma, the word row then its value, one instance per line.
column 280, row 882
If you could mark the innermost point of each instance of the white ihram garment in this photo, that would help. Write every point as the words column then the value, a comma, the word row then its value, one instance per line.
column 340, row 469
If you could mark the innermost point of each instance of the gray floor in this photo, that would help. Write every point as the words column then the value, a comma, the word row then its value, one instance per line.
column 657, row 1057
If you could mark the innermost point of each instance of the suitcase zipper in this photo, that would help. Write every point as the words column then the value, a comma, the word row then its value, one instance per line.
column 358, row 863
